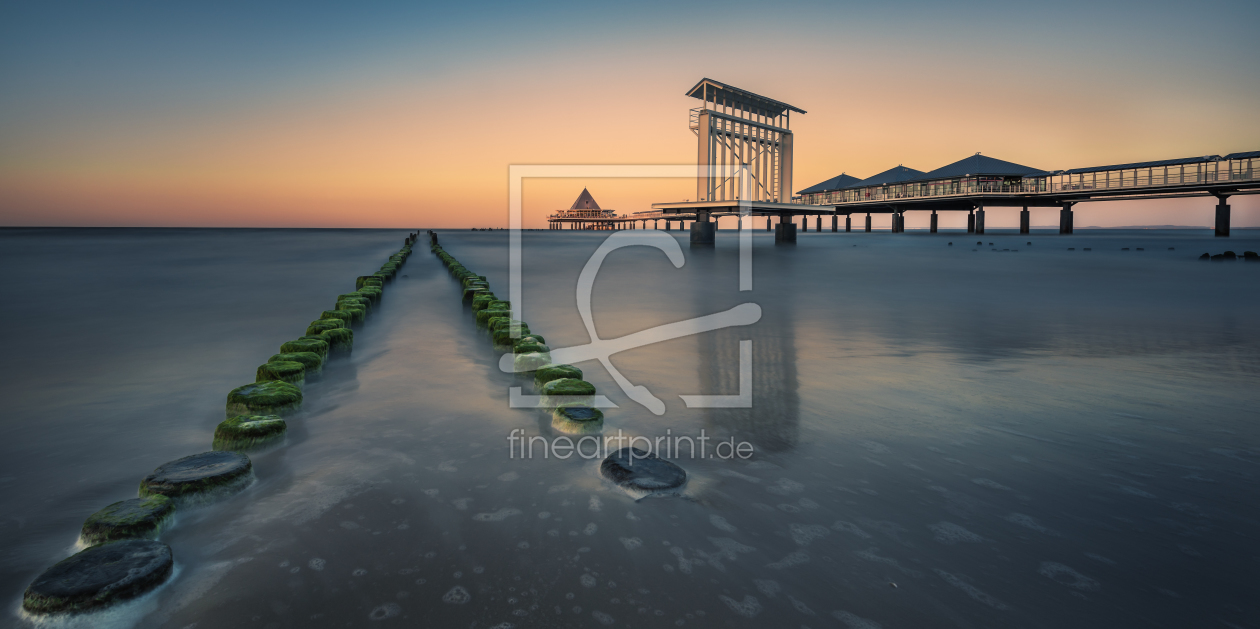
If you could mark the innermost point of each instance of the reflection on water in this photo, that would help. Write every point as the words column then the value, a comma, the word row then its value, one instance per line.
column 1032, row 438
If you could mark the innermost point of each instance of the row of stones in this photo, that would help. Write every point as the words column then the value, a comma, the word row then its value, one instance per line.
column 123, row 559
column 564, row 394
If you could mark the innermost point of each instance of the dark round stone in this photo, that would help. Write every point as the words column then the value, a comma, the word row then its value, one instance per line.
column 100, row 576
column 138, row 518
column 644, row 472
column 197, row 473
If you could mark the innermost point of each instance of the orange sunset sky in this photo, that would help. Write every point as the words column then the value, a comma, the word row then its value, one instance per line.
column 407, row 115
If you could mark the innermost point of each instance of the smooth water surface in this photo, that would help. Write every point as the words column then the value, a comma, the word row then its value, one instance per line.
column 944, row 436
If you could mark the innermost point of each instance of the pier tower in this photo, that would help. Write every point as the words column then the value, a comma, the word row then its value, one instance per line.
column 734, row 128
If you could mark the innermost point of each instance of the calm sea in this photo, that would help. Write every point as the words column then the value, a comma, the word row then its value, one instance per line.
column 1005, row 434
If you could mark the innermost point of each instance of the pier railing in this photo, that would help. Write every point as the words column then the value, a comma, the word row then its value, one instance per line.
column 1084, row 180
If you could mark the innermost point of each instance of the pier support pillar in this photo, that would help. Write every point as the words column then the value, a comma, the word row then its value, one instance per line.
column 667, row 222
column 868, row 223
column 971, row 222
column 1065, row 219
column 1222, row 217
column 932, row 228
column 769, row 223
column 818, row 223
column 1023, row 220
column 703, row 231
column 848, row 223
column 835, row 223
column 785, row 231
column 805, row 224
column 980, row 220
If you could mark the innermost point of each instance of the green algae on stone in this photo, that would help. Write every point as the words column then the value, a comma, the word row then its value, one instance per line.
column 564, row 390
column 245, row 432
column 367, row 280
column 480, row 302
column 526, row 363
column 577, row 419
column 356, row 296
column 555, row 372
column 372, row 292
column 529, row 346
column 317, row 346
column 313, row 362
column 195, row 476
column 333, row 315
column 137, row 518
column 537, row 338
column 340, row 341
column 475, row 278
column 99, row 576
column 484, row 316
column 506, row 335
column 323, row 325
column 356, row 312
column 273, row 397
column 472, row 290
column 283, row 370
column 500, row 304
column 503, row 322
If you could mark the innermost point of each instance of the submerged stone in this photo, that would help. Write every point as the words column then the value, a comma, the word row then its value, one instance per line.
column 333, row 315
column 548, row 373
column 198, row 474
column 529, row 346
column 525, row 363
column 483, row 316
column 355, row 297
column 537, row 338
column 137, row 518
column 283, row 370
column 357, row 312
column 371, row 292
column 313, row 362
column 100, row 576
column 317, row 346
column 264, row 398
column 481, row 301
column 323, row 325
column 565, row 390
column 506, row 335
column 577, row 419
column 641, row 472
column 472, row 290
column 245, row 432
column 340, row 340
column 367, row 280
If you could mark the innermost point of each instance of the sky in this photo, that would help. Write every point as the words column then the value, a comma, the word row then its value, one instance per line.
column 407, row 114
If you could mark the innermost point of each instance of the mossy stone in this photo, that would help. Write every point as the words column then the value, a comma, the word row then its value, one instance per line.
column 100, row 576
column 264, row 398
column 367, row 280
column 194, row 475
column 245, row 432
column 344, row 315
column 137, row 518
column 506, row 321
column 526, row 363
column 500, row 304
column 475, row 278
column 317, row 346
column 506, row 335
column 340, row 340
column 473, row 290
column 372, row 292
column 577, row 419
column 283, row 370
column 537, row 338
column 323, row 325
column 313, row 362
column 356, row 312
column 483, row 316
column 528, row 346
column 641, row 472
column 566, row 390
column 555, row 372
column 480, row 302
column 356, row 296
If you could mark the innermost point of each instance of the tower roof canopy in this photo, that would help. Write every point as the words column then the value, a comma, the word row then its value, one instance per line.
column 838, row 182
column 584, row 202
column 979, row 165
column 732, row 94
column 896, row 174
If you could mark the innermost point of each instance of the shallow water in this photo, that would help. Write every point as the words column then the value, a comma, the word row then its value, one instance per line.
column 1034, row 438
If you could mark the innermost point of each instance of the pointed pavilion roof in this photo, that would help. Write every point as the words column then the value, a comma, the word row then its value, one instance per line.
column 584, row 202
column 979, row 165
column 835, row 183
column 896, row 174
